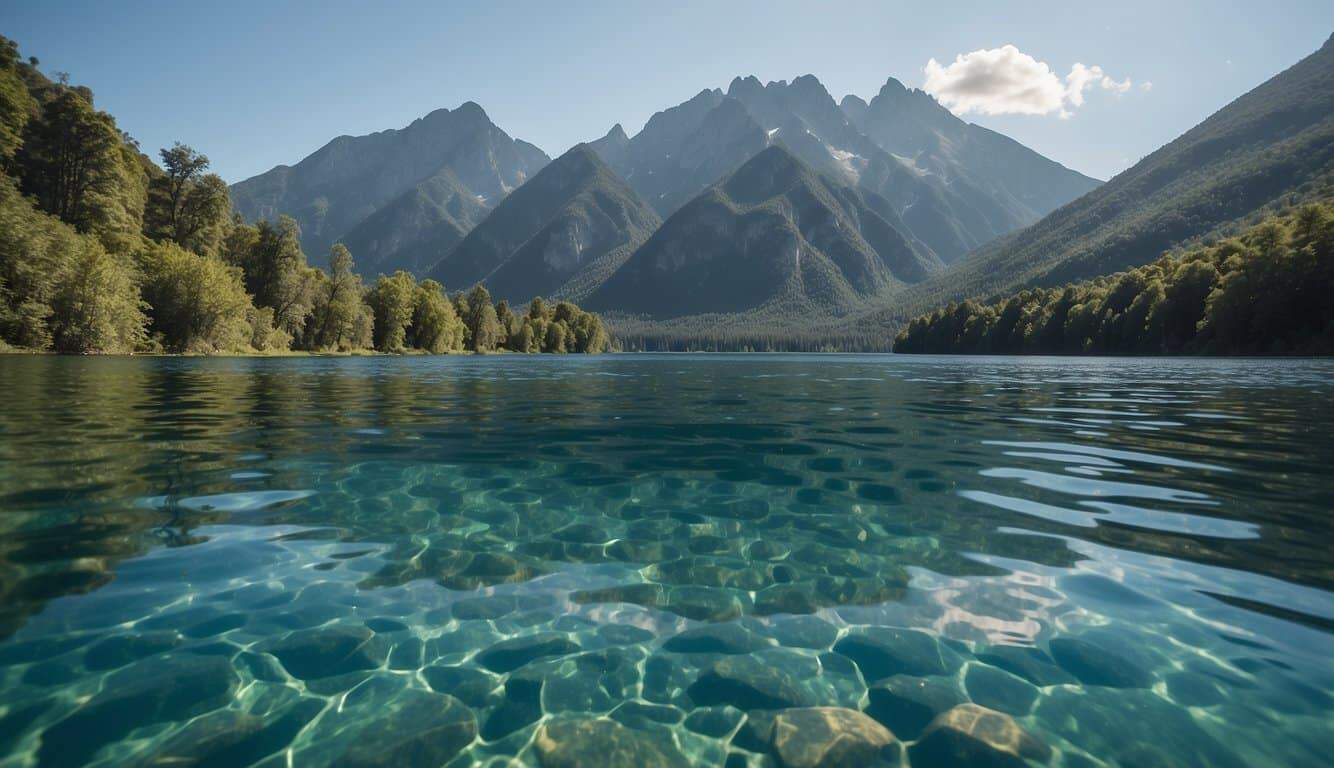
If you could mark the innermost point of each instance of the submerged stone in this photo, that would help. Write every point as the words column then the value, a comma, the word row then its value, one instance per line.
column 509, row 655
column 714, row 721
column 1032, row 664
column 119, row 650
column 604, row 743
column 999, row 690
column 803, row 632
column 716, row 638
column 907, row 705
column 316, row 653
column 881, row 652
column 977, row 737
column 165, row 688
column 1094, row 665
column 748, row 683
column 415, row 728
column 471, row 686
column 827, row 737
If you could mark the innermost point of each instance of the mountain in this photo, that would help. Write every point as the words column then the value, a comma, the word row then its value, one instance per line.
column 912, row 124
column 414, row 230
column 435, row 175
column 1271, row 147
column 942, row 203
column 682, row 150
column 567, row 227
column 774, row 236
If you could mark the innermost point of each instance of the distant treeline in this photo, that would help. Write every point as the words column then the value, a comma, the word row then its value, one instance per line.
column 103, row 251
column 1268, row 291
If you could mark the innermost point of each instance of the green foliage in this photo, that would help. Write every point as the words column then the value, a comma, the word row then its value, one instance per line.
column 436, row 328
column 16, row 104
column 185, row 205
column 339, row 318
column 59, row 288
column 276, row 274
column 483, row 327
column 1264, row 292
column 392, row 301
column 71, row 162
column 199, row 303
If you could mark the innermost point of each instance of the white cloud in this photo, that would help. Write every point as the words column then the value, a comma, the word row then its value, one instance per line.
column 1007, row 81
column 1146, row 86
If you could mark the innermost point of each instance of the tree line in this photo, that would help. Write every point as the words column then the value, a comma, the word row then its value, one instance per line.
column 103, row 250
column 1265, row 291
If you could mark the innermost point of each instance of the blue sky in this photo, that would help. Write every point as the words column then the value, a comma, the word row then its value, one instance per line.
column 255, row 84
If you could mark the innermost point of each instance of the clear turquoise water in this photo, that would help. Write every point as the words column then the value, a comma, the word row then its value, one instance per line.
column 421, row 561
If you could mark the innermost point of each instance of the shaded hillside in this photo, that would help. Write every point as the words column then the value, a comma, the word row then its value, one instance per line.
column 414, row 230
column 569, row 220
column 343, row 183
column 774, row 235
column 1273, row 145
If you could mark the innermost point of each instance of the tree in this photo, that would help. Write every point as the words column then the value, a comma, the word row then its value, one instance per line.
column 276, row 273
column 185, row 205
column 392, row 301
column 483, row 328
column 16, row 104
column 96, row 307
column 338, row 304
column 70, row 161
column 197, row 303
column 507, row 321
column 436, row 328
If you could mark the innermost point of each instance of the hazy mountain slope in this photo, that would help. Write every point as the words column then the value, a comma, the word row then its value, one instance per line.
column 1275, row 143
column 337, row 187
column 912, row 124
column 941, row 202
column 774, row 235
column 684, row 149
column 566, row 219
column 414, row 230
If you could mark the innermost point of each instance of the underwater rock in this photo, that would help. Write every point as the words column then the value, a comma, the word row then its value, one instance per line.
column 716, row 638
column 1032, row 664
column 881, row 652
column 907, row 705
column 315, row 653
column 471, row 686
column 119, row 650
column 1094, row 665
column 748, row 683
column 714, row 721
column 229, row 737
column 977, row 737
column 416, row 728
column 802, row 632
column 509, row 655
column 827, row 737
column 164, row 688
column 999, row 690
column 604, row 743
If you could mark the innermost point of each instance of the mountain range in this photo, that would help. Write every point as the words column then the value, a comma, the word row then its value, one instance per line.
column 874, row 195
column 775, row 207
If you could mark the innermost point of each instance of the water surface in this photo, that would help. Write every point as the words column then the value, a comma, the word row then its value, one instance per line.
column 425, row 560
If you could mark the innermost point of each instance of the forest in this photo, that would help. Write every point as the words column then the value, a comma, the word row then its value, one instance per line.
column 103, row 250
column 1264, row 292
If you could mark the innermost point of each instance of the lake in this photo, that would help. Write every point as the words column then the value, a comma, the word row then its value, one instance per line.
column 579, row 560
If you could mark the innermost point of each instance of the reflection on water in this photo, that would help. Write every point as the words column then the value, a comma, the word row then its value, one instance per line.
column 421, row 561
